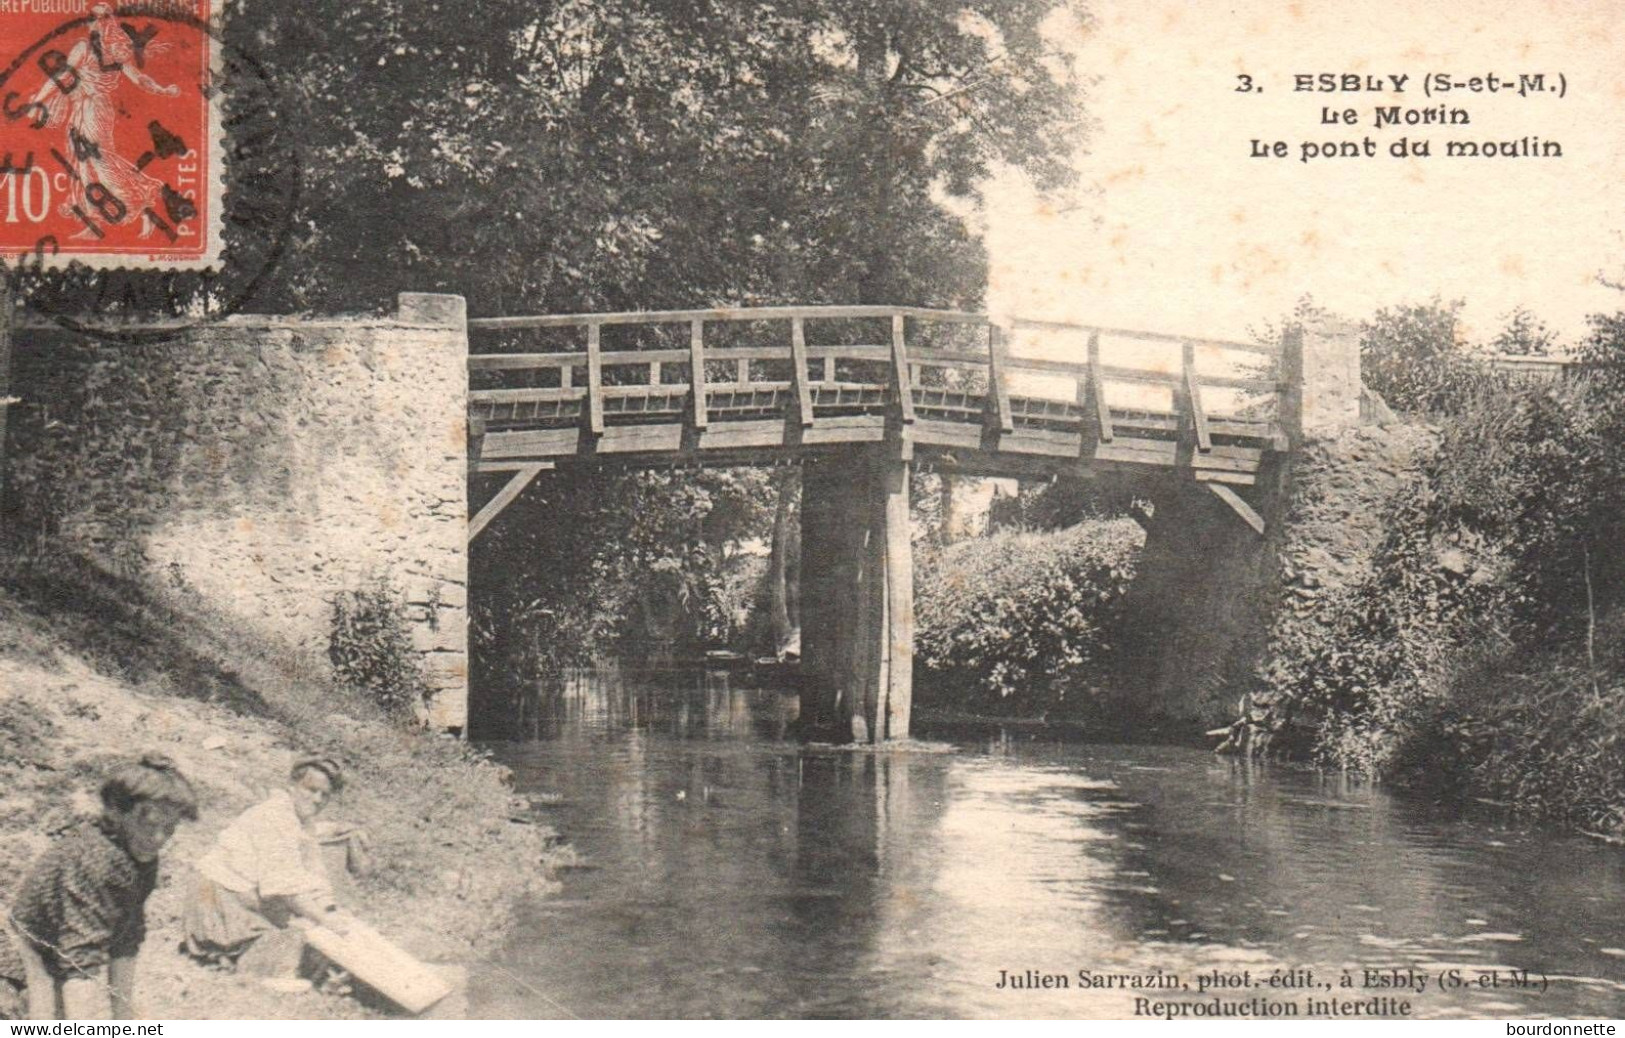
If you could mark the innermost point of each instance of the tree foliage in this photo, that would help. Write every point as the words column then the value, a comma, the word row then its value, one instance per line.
column 1416, row 356
column 635, row 154
column 569, row 155
column 1524, row 335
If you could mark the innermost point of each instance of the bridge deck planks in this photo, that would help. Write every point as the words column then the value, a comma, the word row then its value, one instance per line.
column 1051, row 450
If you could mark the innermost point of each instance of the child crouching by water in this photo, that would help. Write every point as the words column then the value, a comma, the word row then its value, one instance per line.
column 68, row 943
column 264, row 880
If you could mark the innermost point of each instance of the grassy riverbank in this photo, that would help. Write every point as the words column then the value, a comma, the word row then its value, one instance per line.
column 91, row 670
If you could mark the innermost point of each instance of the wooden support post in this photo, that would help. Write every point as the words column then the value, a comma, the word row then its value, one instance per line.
column 898, row 699
column 1097, row 385
column 829, row 369
column 866, row 650
column 998, row 386
column 1088, row 424
column 834, row 522
column 476, row 440
column 742, row 372
column 505, row 497
column 696, row 371
column 564, row 375
column 1193, row 400
column 899, row 360
column 654, row 373
column 819, row 609
column 857, row 574
column 798, row 370
column 595, row 381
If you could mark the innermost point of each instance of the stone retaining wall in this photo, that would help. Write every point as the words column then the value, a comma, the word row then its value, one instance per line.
column 269, row 465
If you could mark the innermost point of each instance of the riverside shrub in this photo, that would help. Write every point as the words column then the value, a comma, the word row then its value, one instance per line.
column 1020, row 622
column 1416, row 357
column 370, row 647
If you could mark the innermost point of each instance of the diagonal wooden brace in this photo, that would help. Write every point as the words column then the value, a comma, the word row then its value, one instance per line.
column 505, row 497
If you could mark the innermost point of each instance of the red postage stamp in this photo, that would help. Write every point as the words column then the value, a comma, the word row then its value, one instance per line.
column 111, row 133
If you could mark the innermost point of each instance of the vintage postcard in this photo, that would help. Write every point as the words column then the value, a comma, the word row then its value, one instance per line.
column 634, row 509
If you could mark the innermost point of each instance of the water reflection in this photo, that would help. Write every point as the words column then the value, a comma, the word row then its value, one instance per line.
column 736, row 874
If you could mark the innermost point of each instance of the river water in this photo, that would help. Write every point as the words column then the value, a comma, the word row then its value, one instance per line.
column 728, row 872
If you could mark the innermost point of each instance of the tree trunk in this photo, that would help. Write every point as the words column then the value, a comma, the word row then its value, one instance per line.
column 948, row 522
column 873, row 46
column 1591, row 628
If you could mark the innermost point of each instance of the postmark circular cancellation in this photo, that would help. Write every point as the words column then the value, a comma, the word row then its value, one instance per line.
column 121, row 128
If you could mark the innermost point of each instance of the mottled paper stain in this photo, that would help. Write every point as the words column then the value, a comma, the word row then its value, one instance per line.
column 1119, row 177
column 1512, row 266
column 1257, row 263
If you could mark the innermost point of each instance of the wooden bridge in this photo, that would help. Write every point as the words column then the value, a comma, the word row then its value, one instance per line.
column 856, row 394
column 936, row 381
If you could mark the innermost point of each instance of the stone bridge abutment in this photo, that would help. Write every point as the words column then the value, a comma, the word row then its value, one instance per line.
column 260, row 468
column 1199, row 611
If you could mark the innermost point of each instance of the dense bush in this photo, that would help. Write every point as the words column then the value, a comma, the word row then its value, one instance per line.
column 1351, row 673
column 371, row 648
column 1020, row 622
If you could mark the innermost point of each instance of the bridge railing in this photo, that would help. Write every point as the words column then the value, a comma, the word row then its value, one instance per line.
column 955, row 368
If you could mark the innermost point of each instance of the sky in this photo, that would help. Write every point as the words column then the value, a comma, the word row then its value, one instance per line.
column 1176, row 228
